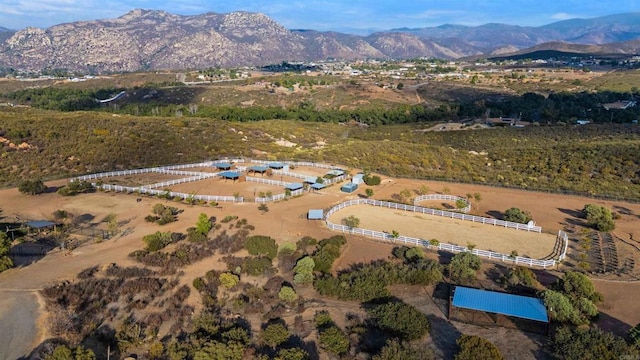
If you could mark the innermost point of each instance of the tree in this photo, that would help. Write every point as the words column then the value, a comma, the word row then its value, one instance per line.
column 516, row 215
column 476, row 348
column 461, row 204
column 275, row 334
column 394, row 235
column 463, row 267
column 560, row 308
column 334, row 340
column 304, row 271
column 203, row 225
column 32, row 187
column 400, row 319
column 369, row 192
column 351, row 221
column 590, row 343
column 599, row 217
column 477, row 197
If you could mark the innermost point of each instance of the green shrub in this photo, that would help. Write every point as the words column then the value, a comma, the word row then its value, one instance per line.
column 599, row 217
column 262, row 245
column 464, row 267
column 287, row 294
column 517, row 215
column 157, row 240
column 371, row 180
column 400, row 319
column 474, row 348
column 334, row 340
column 32, row 187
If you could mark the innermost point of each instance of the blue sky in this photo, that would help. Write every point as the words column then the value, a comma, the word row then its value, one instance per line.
column 357, row 16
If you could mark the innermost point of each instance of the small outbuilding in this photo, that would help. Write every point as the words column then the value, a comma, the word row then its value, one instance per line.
column 335, row 172
column 315, row 214
column 358, row 179
column 276, row 165
column 349, row 187
column 258, row 169
column 317, row 186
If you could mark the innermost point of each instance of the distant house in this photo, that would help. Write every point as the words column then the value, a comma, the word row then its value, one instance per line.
column 583, row 122
column 619, row 105
column 349, row 187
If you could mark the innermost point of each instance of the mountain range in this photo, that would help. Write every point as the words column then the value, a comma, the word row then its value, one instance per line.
column 150, row 40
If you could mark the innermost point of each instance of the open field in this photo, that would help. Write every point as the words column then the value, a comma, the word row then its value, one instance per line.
column 452, row 231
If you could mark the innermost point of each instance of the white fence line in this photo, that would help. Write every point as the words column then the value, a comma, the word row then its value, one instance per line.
column 565, row 244
column 518, row 260
column 171, row 194
column 266, row 181
column 421, row 198
column 262, row 200
column 294, row 175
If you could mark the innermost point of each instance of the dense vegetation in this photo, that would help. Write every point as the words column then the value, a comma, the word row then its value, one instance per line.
column 597, row 159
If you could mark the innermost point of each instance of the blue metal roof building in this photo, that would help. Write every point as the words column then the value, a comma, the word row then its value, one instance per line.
column 315, row 214
column 523, row 307
column 294, row 186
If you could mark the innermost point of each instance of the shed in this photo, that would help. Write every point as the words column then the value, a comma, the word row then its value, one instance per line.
column 276, row 165
column 222, row 165
column 315, row 214
column 358, row 179
column 349, row 187
column 524, row 310
column 310, row 180
column 233, row 175
column 317, row 186
column 294, row 186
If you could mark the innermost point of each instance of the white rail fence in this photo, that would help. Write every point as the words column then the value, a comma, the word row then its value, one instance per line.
column 294, row 175
column 168, row 183
column 562, row 236
column 266, row 181
column 421, row 198
column 262, row 200
column 170, row 194
column 518, row 260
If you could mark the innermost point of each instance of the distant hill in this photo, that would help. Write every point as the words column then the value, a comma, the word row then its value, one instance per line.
column 566, row 50
column 149, row 39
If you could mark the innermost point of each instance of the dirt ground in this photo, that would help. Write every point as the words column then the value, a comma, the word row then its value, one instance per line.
column 451, row 231
column 285, row 221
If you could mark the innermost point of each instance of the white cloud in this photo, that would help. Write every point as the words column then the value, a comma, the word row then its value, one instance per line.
column 563, row 16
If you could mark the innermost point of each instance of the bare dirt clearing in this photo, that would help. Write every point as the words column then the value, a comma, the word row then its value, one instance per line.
column 452, row 231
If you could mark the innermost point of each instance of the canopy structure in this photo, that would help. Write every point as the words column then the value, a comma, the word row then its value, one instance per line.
column 315, row 214
column 294, row 186
column 317, row 186
column 233, row 175
column 336, row 172
column 276, row 165
column 523, row 307
column 222, row 166
column 258, row 169
column 40, row 224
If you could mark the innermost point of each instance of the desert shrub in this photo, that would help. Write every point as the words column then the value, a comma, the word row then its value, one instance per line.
column 474, row 348
column 196, row 236
column 395, row 350
column 521, row 279
column 257, row 266
column 228, row 218
column 262, row 245
column 62, row 352
column 157, row 240
column 304, row 271
column 292, row 354
column 204, row 224
column 304, row 243
column 370, row 281
column 634, row 336
column 75, row 188
column 517, row 215
column 32, row 187
column 229, row 280
column 400, row 319
column 599, row 217
column 287, row 294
